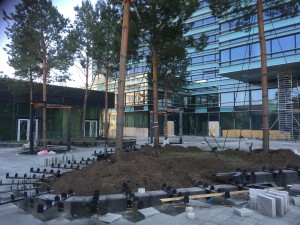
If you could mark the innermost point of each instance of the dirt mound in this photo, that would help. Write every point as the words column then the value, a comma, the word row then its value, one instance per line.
column 174, row 165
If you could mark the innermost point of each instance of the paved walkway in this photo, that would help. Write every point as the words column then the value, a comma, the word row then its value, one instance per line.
column 13, row 162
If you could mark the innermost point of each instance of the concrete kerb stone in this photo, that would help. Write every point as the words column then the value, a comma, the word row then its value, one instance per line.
column 266, row 205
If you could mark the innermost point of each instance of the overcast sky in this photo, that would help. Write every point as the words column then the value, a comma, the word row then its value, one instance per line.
column 65, row 7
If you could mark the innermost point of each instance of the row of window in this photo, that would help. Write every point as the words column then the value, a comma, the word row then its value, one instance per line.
column 233, row 24
column 282, row 46
column 205, row 58
column 231, row 99
column 255, row 36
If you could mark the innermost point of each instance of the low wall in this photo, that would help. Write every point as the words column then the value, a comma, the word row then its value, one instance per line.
column 274, row 134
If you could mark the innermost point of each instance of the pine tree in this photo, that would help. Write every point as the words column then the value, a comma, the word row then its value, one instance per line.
column 37, row 32
column 163, row 24
column 82, row 38
column 243, row 15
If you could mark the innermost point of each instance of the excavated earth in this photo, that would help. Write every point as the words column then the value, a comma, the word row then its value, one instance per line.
column 176, row 166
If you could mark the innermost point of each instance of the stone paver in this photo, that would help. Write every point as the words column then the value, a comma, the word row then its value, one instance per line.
column 109, row 217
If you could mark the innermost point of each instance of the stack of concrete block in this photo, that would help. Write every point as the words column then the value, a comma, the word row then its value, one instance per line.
column 271, row 203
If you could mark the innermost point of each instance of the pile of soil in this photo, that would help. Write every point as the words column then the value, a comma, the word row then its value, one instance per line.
column 176, row 166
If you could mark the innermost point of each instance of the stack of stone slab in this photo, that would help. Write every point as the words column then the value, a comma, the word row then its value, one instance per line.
column 271, row 203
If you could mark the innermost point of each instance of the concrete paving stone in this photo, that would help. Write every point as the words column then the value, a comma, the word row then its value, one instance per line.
column 210, row 223
column 285, row 194
column 109, row 217
column 243, row 212
column 217, row 220
column 280, row 204
column 254, row 192
column 232, row 221
column 245, row 223
column 266, row 205
column 204, row 217
column 251, row 220
column 159, row 218
column 122, row 221
column 59, row 220
column 296, row 201
column 20, row 218
column 147, row 212
column 296, row 222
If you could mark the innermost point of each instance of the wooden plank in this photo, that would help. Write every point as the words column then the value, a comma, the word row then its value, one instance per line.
column 215, row 194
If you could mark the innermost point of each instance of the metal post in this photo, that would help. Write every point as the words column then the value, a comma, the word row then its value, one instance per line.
column 180, row 127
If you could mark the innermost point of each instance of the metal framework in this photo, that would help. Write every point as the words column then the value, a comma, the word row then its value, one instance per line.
column 288, row 106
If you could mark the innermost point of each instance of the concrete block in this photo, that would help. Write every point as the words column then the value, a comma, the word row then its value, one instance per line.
column 280, row 204
column 189, row 209
column 155, row 197
column 243, row 212
column 261, row 177
column 191, row 190
column 109, row 217
column 147, row 212
column 226, row 187
column 284, row 194
column 191, row 215
column 114, row 203
column 144, row 200
column 266, row 205
column 296, row 201
column 286, row 177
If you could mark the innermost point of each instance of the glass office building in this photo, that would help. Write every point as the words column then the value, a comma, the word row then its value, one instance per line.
column 223, row 94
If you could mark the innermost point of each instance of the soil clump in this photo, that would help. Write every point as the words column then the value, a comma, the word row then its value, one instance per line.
column 176, row 166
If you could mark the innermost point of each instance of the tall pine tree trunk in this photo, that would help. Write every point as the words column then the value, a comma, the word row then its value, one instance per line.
column 155, row 99
column 31, row 123
column 166, row 115
column 85, row 97
column 106, row 104
column 121, row 82
column 44, row 94
column 264, row 77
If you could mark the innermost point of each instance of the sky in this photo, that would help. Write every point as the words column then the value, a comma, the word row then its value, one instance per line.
column 65, row 7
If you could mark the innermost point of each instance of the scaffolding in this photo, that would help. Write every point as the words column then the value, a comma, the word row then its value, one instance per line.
column 288, row 106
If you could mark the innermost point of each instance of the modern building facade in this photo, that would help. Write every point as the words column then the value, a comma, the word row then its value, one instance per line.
column 223, row 95
column 64, row 106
